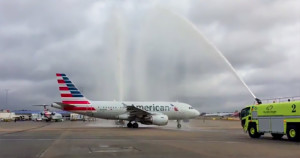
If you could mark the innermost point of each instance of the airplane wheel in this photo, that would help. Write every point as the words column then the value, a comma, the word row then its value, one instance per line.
column 135, row 125
column 178, row 125
column 129, row 125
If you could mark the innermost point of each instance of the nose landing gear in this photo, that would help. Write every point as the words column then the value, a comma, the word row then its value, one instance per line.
column 178, row 124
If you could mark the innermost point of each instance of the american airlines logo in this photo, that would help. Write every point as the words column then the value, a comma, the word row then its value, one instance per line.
column 175, row 108
column 156, row 107
column 153, row 108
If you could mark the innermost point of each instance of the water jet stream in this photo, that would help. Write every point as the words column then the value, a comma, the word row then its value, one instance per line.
column 120, row 49
column 218, row 52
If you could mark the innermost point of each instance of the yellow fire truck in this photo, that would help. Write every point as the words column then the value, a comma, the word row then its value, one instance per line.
column 275, row 118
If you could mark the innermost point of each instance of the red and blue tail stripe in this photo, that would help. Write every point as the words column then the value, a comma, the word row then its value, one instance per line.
column 69, row 93
column 62, row 75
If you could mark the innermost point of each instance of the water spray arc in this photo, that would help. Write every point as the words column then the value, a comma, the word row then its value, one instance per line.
column 219, row 53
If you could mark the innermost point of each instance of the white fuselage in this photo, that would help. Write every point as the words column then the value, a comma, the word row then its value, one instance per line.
column 117, row 110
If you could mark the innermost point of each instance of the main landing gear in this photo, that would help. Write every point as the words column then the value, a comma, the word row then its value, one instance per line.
column 178, row 124
column 129, row 125
column 134, row 125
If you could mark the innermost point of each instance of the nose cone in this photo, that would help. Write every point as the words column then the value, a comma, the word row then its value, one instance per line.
column 193, row 113
column 196, row 113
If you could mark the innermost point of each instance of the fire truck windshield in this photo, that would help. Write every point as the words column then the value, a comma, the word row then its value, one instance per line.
column 245, row 112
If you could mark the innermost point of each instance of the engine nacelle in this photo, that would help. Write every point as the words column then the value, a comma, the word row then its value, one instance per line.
column 123, row 117
column 159, row 120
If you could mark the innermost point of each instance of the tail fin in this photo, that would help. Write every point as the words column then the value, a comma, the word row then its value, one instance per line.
column 68, row 92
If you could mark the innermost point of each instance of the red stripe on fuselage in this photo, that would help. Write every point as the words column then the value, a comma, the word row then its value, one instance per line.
column 74, row 108
column 75, row 102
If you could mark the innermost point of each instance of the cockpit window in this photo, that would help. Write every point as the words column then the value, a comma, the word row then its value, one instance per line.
column 191, row 107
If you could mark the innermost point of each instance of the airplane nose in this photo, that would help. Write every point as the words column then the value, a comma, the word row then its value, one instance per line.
column 197, row 113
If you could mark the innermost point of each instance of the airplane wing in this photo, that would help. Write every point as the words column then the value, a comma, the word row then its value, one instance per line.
column 41, row 105
column 135, row 112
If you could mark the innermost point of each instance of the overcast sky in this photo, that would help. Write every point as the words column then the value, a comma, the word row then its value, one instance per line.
column 150, row 51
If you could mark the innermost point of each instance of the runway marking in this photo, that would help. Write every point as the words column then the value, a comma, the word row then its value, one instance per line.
column 112, row 149
column 43, row 153
column 24, row 130
column 47, row 149
column 99, row 139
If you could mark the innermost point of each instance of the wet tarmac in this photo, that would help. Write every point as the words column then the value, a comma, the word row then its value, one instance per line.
column 102, row 138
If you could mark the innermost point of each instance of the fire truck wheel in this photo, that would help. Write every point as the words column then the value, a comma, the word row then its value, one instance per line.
column 276, row 135
column 292, row 133
column 253, row 132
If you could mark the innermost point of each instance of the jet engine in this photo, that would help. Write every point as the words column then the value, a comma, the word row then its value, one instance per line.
column 123, row 117
column 159, row 120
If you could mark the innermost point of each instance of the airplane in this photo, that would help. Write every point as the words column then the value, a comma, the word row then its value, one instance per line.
column 148, row 113
column 47, row 115
column 223, row 114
